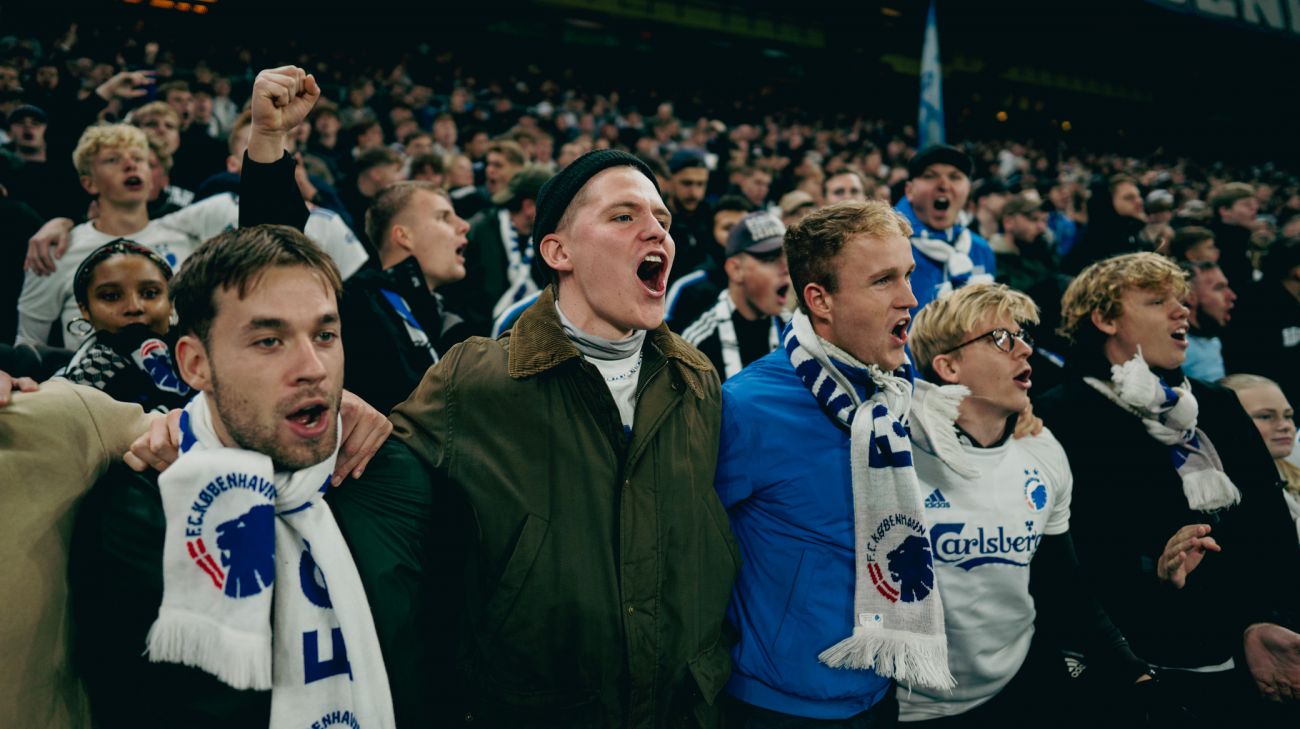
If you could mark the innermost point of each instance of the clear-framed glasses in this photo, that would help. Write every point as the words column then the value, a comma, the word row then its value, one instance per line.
column 1003, row 339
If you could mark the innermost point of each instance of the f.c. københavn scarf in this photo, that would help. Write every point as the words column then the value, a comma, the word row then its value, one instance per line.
column 1169, row 414
column 898, row 629
column 259, row 588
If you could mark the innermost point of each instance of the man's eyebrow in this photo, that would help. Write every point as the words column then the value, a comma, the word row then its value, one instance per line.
column 268, row 323
column 657, row 209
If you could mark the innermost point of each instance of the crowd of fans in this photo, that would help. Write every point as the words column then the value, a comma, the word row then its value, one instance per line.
column 429, row 196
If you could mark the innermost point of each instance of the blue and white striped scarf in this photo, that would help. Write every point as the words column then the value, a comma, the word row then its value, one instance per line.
column 950, row 247
column 898, row 629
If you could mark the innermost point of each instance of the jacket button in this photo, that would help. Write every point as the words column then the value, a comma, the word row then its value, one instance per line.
column 469, row 718
column 631, row 610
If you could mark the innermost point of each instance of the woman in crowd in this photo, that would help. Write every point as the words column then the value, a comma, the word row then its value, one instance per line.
column 1266, row 404
column 121, row 291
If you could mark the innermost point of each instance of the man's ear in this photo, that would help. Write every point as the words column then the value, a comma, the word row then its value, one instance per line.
column 233, row 165
column 193, row 363
column 555, row 253
column 947, row 368
column 907, row 190
column 88, row 184
column 401, row 238
column 1104, row 325
column 734, row 268
column 818, row 300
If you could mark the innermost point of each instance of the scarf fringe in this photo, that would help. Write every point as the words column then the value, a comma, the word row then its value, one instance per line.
column 1210, row 491
column 902, row 656
column 240, row 660
column 937, row 412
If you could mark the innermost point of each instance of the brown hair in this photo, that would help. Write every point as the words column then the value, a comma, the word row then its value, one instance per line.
column 812, row 244
column 390, row 203
column 236, row 260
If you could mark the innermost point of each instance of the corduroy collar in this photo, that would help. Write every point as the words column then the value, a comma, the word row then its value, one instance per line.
column 538, row 344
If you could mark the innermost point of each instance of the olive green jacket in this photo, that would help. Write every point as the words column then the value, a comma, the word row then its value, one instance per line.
column 597, row 569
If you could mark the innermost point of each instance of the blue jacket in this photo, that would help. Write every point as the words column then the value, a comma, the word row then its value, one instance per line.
column 783, row 475
column 929, row 273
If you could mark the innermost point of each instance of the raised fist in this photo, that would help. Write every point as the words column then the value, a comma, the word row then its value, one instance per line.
column 282, row 97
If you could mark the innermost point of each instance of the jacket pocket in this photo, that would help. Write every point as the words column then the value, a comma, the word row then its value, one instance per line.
column 795, row 621
column 527, row 546
column 695, row 699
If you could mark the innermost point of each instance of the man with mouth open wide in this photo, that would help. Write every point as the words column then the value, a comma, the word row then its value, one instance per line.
column 588, row 561
column 995, row 504
column 948, row 254
column 747, row 320
column 1176, row 516
column 836, row 595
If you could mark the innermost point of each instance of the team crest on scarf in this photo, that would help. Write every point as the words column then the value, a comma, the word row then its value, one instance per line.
column 899, row 559
column 243, row 563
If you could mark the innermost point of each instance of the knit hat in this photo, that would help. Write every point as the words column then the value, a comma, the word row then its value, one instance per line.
column 554, row 197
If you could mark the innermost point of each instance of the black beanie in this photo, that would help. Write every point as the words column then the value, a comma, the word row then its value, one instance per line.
column 554, row 197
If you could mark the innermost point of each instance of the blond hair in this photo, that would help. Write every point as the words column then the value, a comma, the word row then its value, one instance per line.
column 812, row 244
column 103, row 136
column 951, row 319
column 1101, row 286
column 1237, row 383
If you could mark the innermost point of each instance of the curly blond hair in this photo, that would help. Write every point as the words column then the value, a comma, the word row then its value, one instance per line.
column 1101, row 286
column 103, row 136
column 951, row 319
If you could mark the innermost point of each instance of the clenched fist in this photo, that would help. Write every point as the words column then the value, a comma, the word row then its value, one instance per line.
column 281, row 99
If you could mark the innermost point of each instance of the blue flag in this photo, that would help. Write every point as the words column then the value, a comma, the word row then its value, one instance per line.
column 930, row 123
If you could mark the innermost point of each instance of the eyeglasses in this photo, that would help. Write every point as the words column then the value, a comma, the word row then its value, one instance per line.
column 1003, row 339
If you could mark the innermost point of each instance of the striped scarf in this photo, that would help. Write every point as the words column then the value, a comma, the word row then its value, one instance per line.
column 898, row 628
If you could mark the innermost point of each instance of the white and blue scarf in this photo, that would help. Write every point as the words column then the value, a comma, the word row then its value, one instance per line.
column 259, row 588
column 1169, row 415
column 950, row 247
column 898, row 629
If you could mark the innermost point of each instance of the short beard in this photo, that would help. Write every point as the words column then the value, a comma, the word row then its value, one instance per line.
column 257, row 437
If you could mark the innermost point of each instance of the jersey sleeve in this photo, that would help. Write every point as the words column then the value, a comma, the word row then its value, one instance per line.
column 328, row 231
column 40, row 303
column 1062, row 481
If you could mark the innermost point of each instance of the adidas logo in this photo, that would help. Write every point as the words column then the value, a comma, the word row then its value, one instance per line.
column 936, row 501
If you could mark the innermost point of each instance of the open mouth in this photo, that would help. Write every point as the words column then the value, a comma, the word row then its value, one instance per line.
column 1023, row 378
column 134, row 182
column 781, row 292
column 1179, row 334
column 460, row 249
column 310, row 420
column 653, row 274
column 941, row 204
column 899, row 331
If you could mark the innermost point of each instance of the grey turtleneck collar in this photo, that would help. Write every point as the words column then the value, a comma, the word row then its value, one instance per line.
column 598, row 347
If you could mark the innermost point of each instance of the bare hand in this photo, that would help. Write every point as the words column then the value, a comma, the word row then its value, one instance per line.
column 159, row 446
column 1184, row 552
column 47, row 246
column 1273, row 655
column 364, row 430
column 1028, row 424
column 281, row 99
column 125, row 85
column 9, row 384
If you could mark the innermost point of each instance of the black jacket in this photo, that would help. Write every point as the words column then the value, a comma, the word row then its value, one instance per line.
column 1128, row 501
column 115, row 581
column 383, row 364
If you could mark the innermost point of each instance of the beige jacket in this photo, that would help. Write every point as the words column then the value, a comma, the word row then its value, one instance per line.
column 54, row 444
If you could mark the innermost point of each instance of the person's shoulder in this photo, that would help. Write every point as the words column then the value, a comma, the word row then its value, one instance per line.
column 765, row 381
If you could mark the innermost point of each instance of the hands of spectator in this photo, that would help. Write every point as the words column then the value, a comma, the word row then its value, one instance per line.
column 1273, row 654
column 157, row 448
column 308, row 190
column 9, row 384
column 1028, row 424
column 1183, row 554
column 125, row 85
column 280, row 101
column 47, row 246
column 364, row 430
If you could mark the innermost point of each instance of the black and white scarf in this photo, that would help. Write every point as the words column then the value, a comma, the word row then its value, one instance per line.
column 898, row 629
column 718, row 319
column 259, row 588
